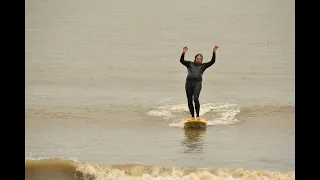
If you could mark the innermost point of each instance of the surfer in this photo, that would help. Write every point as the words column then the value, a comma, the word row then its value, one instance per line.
column 193, row 83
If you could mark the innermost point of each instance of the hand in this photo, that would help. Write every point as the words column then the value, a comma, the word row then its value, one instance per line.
column 215, row 48
column 185, row 49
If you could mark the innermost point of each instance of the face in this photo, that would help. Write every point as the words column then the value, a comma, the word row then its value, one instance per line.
column 198, row 59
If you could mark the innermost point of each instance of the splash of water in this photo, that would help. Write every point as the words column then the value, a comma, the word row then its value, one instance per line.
column 216, row 114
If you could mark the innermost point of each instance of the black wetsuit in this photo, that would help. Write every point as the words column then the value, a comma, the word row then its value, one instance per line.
column 193, row 81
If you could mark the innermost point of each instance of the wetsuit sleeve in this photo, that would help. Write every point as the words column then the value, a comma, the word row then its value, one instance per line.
column 210, row 63
column 184, row 62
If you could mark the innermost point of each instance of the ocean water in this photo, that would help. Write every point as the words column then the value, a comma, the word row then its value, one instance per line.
column 105, row 95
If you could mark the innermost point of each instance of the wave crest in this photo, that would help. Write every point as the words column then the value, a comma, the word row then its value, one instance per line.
column 64, row 169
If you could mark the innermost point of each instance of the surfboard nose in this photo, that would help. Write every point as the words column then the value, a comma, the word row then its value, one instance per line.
column 195, row 123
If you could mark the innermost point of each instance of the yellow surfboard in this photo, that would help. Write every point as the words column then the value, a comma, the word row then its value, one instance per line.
column 195, row 123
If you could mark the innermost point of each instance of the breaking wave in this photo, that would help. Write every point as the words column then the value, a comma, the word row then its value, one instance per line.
column 56, row 168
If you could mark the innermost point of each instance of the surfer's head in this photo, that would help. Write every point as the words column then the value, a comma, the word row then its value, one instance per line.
column 198, row 59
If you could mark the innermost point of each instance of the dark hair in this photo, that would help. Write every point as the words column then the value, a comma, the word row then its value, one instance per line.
column 198, row 55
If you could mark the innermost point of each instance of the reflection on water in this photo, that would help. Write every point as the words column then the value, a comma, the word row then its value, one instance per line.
column 193, row 141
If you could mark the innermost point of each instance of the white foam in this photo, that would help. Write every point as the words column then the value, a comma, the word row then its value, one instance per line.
column 222, row 113
column 176, row 123
column 228, row 115
column 143, row 173
column 160, row 113
column 30, row 157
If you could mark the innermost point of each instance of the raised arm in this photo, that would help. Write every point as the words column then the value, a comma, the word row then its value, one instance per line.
column 213, row 59
column 210, row 63
column 184, row 62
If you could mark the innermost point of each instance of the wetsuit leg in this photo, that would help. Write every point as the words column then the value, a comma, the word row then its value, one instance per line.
column 189, row 92
column 196, row 90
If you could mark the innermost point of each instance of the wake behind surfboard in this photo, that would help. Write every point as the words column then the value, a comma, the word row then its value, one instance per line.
column 195, row 123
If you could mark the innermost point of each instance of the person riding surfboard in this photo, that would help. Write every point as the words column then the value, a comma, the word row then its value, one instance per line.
column 193, row 83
